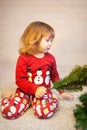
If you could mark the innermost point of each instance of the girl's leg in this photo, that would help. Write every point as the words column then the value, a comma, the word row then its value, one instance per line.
column 15, row 106
column 46, row 106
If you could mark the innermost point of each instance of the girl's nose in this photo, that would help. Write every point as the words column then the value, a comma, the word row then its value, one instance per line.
column 50, row 43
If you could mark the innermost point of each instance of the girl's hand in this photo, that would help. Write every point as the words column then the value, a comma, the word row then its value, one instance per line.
column 40, row 91
column 67, row 96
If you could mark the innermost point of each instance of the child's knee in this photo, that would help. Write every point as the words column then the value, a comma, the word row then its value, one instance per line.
column 12, row 108
column 46, row 107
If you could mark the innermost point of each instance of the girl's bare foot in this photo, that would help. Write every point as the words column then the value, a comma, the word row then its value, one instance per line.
column 67, row 96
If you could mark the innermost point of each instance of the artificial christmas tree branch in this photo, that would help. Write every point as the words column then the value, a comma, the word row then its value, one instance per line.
column 74, row 81
column 80, row 113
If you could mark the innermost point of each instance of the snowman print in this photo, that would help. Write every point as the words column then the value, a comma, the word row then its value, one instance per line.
column 47, row 79
column 38, row 79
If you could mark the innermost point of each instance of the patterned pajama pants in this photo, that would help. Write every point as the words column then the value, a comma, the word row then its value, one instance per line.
column 15, row 106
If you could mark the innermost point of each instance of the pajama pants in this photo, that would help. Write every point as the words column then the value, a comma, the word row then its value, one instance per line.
column 15, row 106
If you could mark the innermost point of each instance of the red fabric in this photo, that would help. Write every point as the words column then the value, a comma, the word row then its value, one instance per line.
column 61, row 91
column 14, row 107
column 32, row 72
column 46, row 106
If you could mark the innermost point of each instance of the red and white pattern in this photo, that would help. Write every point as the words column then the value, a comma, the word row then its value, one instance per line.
column 46, row 106
column 15, row 106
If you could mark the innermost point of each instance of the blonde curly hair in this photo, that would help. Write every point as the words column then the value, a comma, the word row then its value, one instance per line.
column 32, row 36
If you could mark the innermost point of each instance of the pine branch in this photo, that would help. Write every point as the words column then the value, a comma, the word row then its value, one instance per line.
column 74, row 81
column 80, row 113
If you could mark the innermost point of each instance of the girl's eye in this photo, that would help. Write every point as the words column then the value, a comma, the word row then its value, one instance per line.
column 49, row 40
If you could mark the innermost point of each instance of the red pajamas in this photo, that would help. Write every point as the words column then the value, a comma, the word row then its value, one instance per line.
column 15, row 106
column 31, row 73
column 46, row 106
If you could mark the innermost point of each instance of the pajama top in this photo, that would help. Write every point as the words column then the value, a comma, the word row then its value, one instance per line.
column 32, row 72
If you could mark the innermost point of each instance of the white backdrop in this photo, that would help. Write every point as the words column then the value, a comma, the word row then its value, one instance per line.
column 68, row 17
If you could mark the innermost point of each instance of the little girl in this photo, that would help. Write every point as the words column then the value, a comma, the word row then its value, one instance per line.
column 35, row 70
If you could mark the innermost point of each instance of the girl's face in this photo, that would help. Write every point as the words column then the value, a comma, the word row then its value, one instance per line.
column 45, row 44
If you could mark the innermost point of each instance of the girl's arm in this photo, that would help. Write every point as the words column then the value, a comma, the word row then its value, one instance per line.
column 22, row 77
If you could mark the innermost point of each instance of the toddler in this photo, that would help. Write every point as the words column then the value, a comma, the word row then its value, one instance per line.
column 36, row 70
